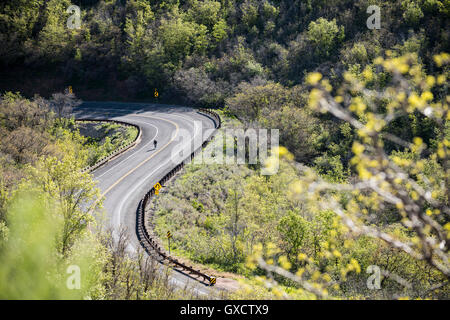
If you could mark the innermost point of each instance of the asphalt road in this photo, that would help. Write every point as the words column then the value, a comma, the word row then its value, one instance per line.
column 124, row 180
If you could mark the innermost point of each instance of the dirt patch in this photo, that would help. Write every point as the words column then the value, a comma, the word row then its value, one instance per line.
column 228, row 284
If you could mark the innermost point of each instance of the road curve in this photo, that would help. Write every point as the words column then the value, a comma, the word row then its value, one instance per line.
column 124, row 180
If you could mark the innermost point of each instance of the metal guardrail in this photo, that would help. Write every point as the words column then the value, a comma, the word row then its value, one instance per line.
column 148, row 241
column 116, row 152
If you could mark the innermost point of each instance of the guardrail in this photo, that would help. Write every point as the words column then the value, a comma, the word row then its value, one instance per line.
column 116, row 152
column 148, row 240
column 214, row 115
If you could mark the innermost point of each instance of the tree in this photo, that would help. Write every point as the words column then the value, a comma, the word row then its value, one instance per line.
column 271, row 105
column 54, row 38
column 63, row 103
column 220, row 30
column 400, row 182
column 140, row 39
column 205, row 13
column 412, row 12
column 293, row 231
column 179, row 38
column 25, row 145
column 198, row 87
column 249, row 11
column 250, row 102
column 236, row 225
column 16, row 112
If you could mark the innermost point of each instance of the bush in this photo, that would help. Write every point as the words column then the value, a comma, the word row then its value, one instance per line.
column 325, row 35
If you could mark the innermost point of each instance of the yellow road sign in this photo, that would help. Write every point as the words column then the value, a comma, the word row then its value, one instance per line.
column 156, row 93
column 169, row 235
column 212, row 281
column 157, row 187
column 70, row 90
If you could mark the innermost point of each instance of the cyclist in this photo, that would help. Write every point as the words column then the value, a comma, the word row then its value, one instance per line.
column 155, row 143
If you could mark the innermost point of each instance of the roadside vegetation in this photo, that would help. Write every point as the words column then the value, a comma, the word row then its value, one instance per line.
column 377, row 198
column 47, row 227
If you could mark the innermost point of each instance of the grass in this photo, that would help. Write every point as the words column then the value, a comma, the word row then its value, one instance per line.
column 103, row 138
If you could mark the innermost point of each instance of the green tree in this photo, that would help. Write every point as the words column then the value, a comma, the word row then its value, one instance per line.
column 251, row 101
column 180, row 38
column 412, row 12
column 219, row 31
column 293, row 232
column 139, row 40
column 54, row 41
column 205, row 13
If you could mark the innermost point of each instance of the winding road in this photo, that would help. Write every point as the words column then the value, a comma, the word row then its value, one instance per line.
column 125, row 179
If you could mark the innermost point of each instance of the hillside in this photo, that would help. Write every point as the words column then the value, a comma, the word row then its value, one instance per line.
column 357, row 206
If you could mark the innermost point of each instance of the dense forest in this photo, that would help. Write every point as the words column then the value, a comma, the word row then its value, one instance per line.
column 363, row 119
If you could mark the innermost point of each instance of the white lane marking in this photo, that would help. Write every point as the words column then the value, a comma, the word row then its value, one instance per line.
column 194, row 127
column 136, row 151
column 149, row 111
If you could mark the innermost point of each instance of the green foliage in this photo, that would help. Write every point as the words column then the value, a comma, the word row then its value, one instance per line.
column 325, row 35
column 180, row 38
column 250, row 56
column 54, row 38
column 413, row 12
column 249, row 11
column 205, row 13
column 384, row 210
column 34, row 268
column 252, row 101
column 219, row 31
column 357, row 55
column 293, row 230
column 29, row 252
column 134, row 46
column 71, row 188
column 47, row 208
column 330, row 167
